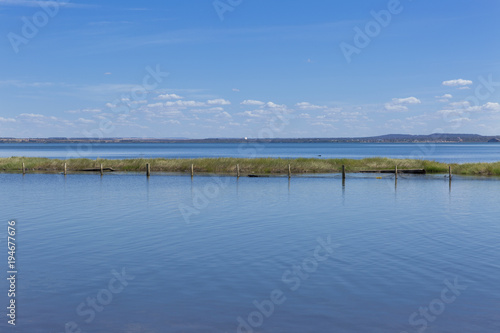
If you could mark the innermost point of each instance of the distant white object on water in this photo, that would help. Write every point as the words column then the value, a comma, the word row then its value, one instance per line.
column 246, row 138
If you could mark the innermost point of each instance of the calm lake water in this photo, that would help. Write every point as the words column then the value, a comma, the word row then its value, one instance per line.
column 448, row 153
column 250, row 243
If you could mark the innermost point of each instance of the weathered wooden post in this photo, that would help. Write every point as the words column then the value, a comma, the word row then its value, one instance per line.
column 449, row 177
column 102, row 170
column 343, row 172
column 238, row 170
column 192, row 170
column 289, row 171
column 396, row 172
column 24, row 169
column 65, row 169
column 148, row 170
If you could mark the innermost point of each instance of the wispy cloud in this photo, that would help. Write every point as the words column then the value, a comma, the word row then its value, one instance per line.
column 169, row 96
column 457, row 83
column 36, row 3
column 399, row 104
column 445, row 98
column 309, row 106
column 185, row 103
column 22, row 84
column 218, row 101
column 7, row 120
column 252, row 102
column 85, row 121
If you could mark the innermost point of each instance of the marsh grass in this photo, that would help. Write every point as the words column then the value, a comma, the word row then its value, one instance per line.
column 247, row 166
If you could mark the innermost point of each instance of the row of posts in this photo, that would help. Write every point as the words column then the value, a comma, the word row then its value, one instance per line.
column 148, row 171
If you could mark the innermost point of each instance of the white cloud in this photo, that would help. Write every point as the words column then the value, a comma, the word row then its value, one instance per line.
column 32, row 115
column 184, row 103
column 236, row 90
column 321, row 124
column 224, row 114
column 445, row 98
column 91, row 110
column 85, row 121
column 332, row 111
column 460, row 104
column 155, row 105
column 171, row 121
column 309, row 106
column 275, row 106
column 492, row 106
column 465, row 106
column 399, row 104
column 7, row 120
column 219, row 101
column 395, row 107
column 460, row 120
column 171, row 113
column 408, row 100
column 457, row 82
column 259, row 113
column 88, row 110
column 249, row 114
column 169, row 96
column 465, row 109
column 252, row 102
column 139, row 102
column 43, row 120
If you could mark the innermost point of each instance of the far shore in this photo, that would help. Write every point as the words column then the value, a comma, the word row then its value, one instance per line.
column 246, row 166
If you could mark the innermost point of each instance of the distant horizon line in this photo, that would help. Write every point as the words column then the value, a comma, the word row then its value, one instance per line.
column 432, row 136
column 247, row 138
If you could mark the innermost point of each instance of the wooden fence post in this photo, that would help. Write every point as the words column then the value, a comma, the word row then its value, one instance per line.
column 65, row 169
column 343, row 172
column 102, row 170
column 238, row 170
column 148, row 170
column 289, row 171
column 192, row 170
column 396, row 172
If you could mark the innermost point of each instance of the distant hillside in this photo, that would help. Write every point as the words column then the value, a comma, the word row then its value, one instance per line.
column 388, row 138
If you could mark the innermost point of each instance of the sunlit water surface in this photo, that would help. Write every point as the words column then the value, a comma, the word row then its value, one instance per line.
column 443, row 152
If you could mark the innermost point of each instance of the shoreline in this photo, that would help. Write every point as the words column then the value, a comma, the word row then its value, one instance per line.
column 246, row 166
column 385, row 138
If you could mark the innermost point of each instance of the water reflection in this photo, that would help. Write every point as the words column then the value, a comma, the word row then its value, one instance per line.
column 399, row 243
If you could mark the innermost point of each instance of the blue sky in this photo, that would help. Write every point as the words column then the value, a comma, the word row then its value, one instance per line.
column 248, row 68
